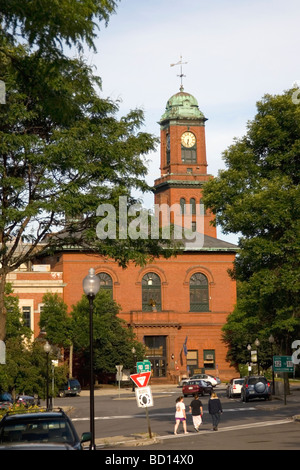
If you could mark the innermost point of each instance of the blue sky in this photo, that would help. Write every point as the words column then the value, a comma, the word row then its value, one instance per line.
column 237, row 50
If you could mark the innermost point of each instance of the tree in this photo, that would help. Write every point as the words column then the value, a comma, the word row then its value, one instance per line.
column 25, row 369
column 55, row 321
column 258, row 196
column 48, row 26
column 63, row 151
column 113, row 340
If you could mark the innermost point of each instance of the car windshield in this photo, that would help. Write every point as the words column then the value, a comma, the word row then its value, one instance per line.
column 74, row 383
column 239, row 381
column 37, row 430
column 254, row 380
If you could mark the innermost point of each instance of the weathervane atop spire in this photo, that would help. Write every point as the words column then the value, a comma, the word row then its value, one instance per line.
column 181, row 74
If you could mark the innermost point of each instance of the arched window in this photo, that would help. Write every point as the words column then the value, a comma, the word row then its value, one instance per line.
column 193, row 206
column 202, row 207
column 106, row 282
column 199, row 293
column 182, row 205
column 151, row 293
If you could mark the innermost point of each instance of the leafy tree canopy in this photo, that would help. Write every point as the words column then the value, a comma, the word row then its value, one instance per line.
column 258, row 197
column 49, row 25
column 113, row 341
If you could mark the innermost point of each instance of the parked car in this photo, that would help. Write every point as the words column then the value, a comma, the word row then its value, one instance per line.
column 72, row 387
column 199, row 387
column 234, row 387
column 255, row 387
column 25, row 400
column 208, row 378
column 39, row 430
column 6, row 401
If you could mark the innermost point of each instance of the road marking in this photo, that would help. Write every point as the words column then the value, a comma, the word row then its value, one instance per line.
column 229, row 428
column 154, row 415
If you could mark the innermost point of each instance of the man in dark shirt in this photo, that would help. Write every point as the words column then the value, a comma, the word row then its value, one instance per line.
column 197, row 411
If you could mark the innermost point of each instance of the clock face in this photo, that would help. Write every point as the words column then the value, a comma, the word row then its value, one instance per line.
column 188, row 139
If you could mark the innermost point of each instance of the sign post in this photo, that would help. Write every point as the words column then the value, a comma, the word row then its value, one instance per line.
column 119, row 375
column 144, row 400
column 143, row 392
column 283, row 364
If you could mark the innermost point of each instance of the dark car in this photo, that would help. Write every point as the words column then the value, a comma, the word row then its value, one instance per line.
column 36, row 430
column 72, row 387
column 255, row 387
column 199, row 387
column 26, row 400
column 6, row 401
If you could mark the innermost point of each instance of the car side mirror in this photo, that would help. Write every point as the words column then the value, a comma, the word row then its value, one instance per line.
column 86, row 436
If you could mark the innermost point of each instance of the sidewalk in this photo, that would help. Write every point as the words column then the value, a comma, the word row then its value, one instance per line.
column 143, row 439
column 113, row 391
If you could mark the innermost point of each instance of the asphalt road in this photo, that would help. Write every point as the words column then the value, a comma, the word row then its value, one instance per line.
column 248, row 426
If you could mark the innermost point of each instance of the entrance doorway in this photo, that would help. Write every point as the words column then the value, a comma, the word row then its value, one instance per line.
column 156, row 353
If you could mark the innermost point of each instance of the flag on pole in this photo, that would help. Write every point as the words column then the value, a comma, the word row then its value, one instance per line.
column 184, row 346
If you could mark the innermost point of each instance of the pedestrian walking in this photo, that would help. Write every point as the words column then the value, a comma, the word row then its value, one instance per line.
column 215, row 410
column 197, row 412
column 180, row 416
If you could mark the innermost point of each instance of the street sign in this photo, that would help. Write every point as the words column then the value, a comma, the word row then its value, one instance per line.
column 283, row 364
column 144, row 366
column 119, row 368
column 141, row 380
column 144, row 397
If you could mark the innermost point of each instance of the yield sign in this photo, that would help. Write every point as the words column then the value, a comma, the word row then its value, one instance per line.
column 141, row 380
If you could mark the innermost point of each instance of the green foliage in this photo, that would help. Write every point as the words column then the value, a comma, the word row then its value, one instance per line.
column 48, row 25
column 113, row 341
column 15, row 322
column 55, row 320
column 25, row 368
column 258, row 197
column 63, row 150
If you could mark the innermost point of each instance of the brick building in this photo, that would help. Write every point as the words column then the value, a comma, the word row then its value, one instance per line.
column 177, row 306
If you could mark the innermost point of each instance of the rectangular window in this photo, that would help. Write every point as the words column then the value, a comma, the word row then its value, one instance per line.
column 188, row 155
column 209, row 358
column 26, row 313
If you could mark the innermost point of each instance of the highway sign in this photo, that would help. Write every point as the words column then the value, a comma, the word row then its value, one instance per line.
column 144, row 366
column 141, row 380
column 283, row 364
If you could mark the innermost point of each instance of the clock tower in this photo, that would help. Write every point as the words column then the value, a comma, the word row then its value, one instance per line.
column 183, row 162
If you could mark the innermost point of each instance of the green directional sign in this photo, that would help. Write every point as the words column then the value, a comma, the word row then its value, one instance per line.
column 283, row 364
column 144, row 366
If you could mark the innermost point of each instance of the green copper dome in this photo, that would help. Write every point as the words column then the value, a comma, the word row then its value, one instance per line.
column 182, row 105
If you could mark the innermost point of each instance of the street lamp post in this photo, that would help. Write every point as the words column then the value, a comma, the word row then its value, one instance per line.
column 47, row 349
column 249, row 349
column 271, row 341
column 133, row 350
column 257, row 343
column 91, row 286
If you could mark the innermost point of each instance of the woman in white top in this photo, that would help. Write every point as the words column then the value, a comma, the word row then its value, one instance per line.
column 180, row 416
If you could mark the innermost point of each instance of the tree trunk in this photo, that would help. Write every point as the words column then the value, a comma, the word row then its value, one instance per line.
column 2, row 307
